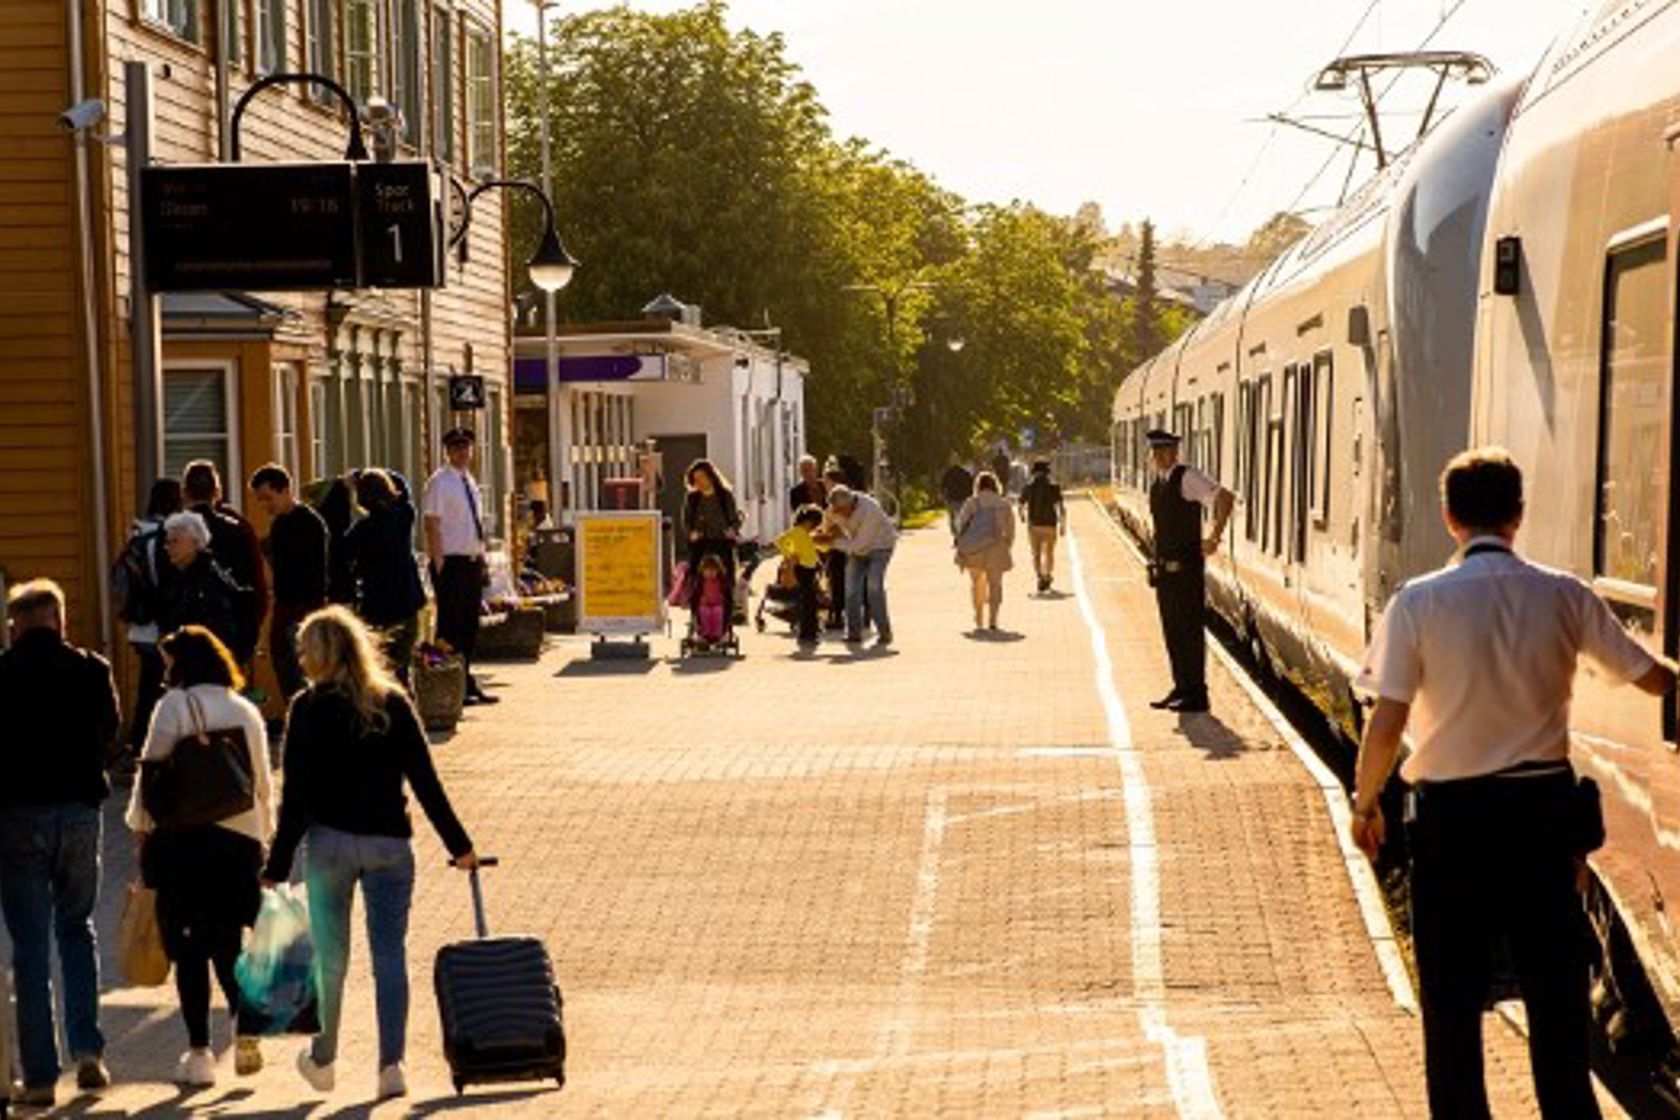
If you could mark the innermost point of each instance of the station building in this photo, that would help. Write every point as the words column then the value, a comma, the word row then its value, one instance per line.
column 319, row 381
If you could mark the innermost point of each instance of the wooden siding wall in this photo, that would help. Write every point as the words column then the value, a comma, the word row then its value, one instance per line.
column 285, row 123
column 45, row 502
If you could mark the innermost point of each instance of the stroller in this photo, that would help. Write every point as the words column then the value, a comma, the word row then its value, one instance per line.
column 711, row 626
column 781, row 599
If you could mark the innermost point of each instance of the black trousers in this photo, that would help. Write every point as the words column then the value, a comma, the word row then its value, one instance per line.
column 1182, row 598
column 836, row 564
column 808, row 621
column 1491, row 864
column 147, row 694
column 200, row 951
column 282, row 645
column 460, row 594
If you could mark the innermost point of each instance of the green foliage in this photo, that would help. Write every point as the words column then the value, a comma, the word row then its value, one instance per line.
column 694, row 159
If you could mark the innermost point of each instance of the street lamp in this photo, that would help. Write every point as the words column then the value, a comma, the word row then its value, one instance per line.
column 955, row 343
column 550, row 268
column 900, row 389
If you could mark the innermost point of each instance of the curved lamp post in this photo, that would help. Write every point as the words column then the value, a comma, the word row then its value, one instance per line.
column 356, row 150
column 550, row 268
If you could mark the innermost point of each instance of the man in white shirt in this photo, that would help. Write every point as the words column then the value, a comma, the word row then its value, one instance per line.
column 1480, row 657
column 1176, row 499
column 453, row 507
column 868, row 536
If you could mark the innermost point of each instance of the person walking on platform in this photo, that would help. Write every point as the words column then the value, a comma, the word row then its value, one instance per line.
column 985, row 541
column 297, row 554
column 956, row 486
column 1045, row 513
column 380, row 551
column 810, row 490
column 353, row 746
column 455, row 538
column 205, row 875
column 61, row 732
column 868, row 537
column 236, row 547
column 1179, row 567
column 1479, row 658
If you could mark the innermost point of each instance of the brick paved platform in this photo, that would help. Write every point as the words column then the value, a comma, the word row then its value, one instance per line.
column 869, row 884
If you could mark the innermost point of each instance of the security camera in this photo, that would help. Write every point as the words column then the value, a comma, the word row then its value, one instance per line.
column 82, row 115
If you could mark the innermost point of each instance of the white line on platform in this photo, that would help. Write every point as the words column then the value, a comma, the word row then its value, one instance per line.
column 1188, row 1074
column 1366, row 891
column 896, row 1038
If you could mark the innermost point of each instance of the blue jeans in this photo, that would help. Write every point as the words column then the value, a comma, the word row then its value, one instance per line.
column 868, row 569
column 333, row 863
column 49, row 885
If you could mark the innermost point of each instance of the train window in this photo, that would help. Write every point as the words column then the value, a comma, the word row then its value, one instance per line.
column 1324, row 396
column 1632, row 405
column 1216, row 435
column 1301, row 429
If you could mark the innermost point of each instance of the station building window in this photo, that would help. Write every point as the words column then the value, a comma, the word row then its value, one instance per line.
column 405, row 68
column 1633, row 403
column 286, row 417
column 361, row 49
column 271, row 35
column 178, row 17
column 320, row 37
column 481, row 104
column 198, row 412
column 443, row 83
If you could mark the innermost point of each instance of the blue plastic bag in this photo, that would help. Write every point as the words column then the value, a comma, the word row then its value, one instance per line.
column 276, row 972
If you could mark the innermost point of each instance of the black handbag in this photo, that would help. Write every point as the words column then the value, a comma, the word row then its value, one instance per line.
column 206, row 779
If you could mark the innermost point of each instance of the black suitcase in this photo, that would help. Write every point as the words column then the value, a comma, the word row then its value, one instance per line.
column 500, row 1007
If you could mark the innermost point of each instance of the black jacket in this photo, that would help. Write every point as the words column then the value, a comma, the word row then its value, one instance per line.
column 206, row 595
column 352, row 780
column 380, row 548
column 61, row 723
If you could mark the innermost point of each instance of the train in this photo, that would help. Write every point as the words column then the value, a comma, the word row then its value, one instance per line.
column 1508, row 280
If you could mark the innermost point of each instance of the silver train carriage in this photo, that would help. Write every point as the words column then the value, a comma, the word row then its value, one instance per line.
column 1511, row 282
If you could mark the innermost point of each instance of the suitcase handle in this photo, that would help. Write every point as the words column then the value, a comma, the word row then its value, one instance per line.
column 478, row 894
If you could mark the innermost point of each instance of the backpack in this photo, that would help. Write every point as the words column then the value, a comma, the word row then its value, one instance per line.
column 133, row 579
column 980, row 533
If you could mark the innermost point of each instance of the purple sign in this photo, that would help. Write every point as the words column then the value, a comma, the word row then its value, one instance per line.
column 530, row 375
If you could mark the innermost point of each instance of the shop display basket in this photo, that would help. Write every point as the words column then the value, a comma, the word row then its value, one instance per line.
column 440, row 691
column 515, row 636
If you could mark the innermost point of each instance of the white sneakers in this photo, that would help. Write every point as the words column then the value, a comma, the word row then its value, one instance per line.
column 196, row 1069
column 320, row 1078
column 392, row 1083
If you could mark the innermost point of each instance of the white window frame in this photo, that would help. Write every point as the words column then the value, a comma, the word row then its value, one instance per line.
column 230, row 382
column 320, row 44
column 371, row 25
column 269, row 17
column 481, row 150
column 441, row 81
column 285, row 379
column 318, row 389
column 180, row 18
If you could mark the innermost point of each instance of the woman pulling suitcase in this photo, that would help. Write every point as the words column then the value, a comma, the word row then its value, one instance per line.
column 352, row 742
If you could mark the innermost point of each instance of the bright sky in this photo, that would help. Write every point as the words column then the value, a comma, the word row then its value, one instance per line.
column 1140, row 105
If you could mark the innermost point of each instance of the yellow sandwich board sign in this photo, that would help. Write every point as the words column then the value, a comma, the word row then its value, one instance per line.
column 620, row 585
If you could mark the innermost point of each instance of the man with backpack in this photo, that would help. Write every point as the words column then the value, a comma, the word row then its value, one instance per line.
column 136, row 580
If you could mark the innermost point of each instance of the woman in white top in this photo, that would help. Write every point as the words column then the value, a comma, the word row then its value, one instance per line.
column 985, row 536
column 206, row 876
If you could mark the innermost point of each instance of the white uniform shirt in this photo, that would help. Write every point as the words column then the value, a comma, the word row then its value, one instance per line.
column 1195, row 485
column 173, row 720
column 1485, row 653
column 446, row 499
column 867, row 528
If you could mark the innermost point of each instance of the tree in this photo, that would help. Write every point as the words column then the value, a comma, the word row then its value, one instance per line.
column 1148, row 335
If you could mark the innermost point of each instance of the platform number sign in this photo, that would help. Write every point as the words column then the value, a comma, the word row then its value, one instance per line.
column 291, row 226
column 398, row 223
column 466, row 393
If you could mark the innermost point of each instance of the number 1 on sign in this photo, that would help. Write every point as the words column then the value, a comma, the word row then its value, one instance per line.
column 396, row 243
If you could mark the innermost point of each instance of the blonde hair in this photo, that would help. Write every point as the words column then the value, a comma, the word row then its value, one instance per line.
column 339, row 651
column 30, row 602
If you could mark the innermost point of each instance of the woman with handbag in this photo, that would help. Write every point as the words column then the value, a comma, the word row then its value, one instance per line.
column 201, row 813
column 985, row 536
column 353, row 743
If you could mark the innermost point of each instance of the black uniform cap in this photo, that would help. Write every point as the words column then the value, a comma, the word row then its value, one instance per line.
column 454, row 437
column 1160, row 437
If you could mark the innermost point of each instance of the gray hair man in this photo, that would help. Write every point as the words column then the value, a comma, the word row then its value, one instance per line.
column 868, row 537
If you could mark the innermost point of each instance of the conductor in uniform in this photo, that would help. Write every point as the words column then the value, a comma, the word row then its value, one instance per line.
column 1479, row 657
column 1176, row 500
